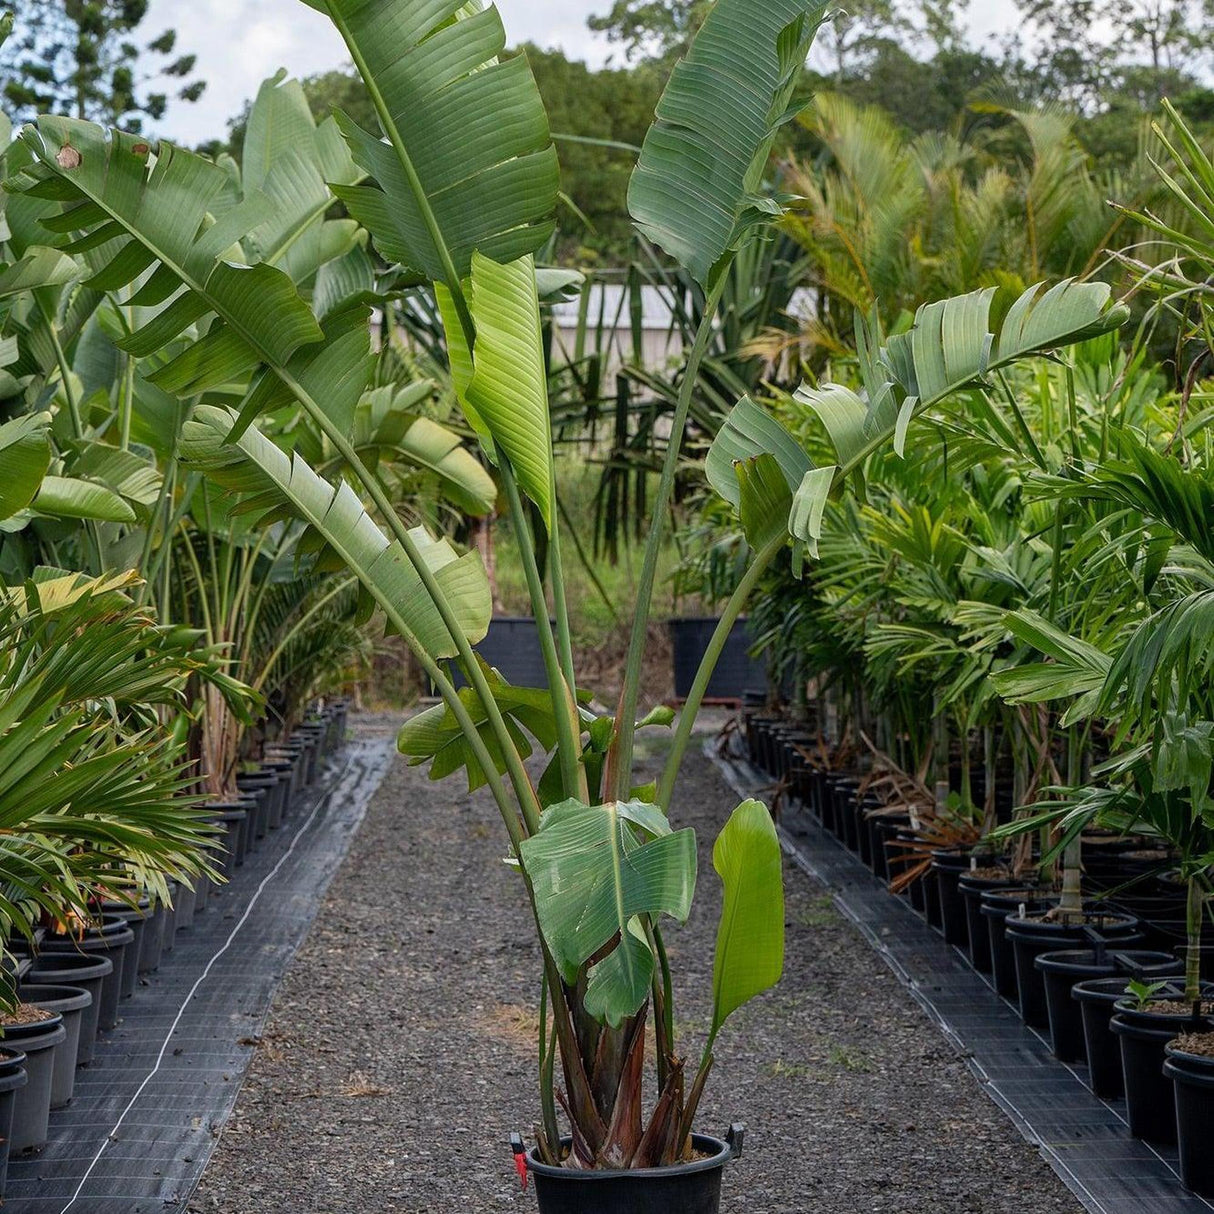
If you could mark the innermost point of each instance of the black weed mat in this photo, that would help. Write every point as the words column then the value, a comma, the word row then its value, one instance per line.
column 147, row 1110
column 1085, row 1140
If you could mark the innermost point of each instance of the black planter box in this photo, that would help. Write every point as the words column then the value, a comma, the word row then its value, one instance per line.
column 511, row 647
column 736, row 673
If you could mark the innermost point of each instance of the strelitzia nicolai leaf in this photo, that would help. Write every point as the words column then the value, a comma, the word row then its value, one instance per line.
column 750, row 938
column 508, row 391
column 695, row 189
column 596, row 871
column 949, row 348
column 469, row 163
column 280, row 483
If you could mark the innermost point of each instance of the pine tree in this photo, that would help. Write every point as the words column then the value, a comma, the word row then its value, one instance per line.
column 82, row 57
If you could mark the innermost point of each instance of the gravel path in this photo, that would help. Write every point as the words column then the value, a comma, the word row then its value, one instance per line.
column 400, row 1051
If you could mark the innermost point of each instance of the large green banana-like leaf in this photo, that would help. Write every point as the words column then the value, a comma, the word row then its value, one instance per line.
column 950, row 347
column 761, row 469
column 25, row 456
column 750, row 938
column 596, row 871
column 39, row 267
column 508, row 392
column 71, row 497
column 277, row 484
column 747, row 432
column 156, row 215
column 436, row 735
column 468, row 163
column 387, row 427
column 695, row 190
column 157, row 219
column 765, row 500
column 292, row 161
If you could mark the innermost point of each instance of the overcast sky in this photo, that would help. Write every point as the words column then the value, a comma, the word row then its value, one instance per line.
column 241, row 42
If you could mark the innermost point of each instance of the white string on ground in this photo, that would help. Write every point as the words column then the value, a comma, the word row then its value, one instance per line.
column 110, row 1137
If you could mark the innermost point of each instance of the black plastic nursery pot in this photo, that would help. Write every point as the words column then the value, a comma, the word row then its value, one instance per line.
column 112, row 939
column 136, row 918
column 948, row 867
column 736, row 673
column 280, row 804
column 32, row 1107
column 971, row 885
column 185, row 903
column 1097, row 999
column 686, row 1188
column 1192, row 1077
column 1063, row 969
column 260, row 789
column 70, row 1002
column 995, row 905
column 12, row 1078
column 1031, row 937
column 152, row 944
column 931, row 901
column 311, row 736
column 884, row 824
column 845, row 790
column 231, row 818
column 84, row 971
column 1150, row 1100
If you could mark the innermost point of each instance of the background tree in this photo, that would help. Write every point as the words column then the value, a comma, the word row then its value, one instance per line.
column 651, row 29
column 1084, row 50
column 82, row 57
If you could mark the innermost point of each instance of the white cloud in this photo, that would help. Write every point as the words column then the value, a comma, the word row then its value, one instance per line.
column 241, row 42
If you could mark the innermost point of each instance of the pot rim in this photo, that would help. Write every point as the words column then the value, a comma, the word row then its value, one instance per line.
column 1204, row 1061
column 723, row 1154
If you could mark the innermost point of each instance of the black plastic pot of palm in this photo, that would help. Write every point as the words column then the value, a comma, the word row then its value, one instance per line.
column 70, row 1003
column 112, row 938
column 1144, row 1024
column 1062, row 970
column 866, row 806
column 971, row 885
column 12, row 1078
column 233, row 819
column 948, row 867
column 85, row 971
column 1035, row 932
column 152, row 945
column 185, row 903
column 280, row 802
column 994, row 906
column 884, row 824
column 688, row 1188
column 1189, row 1064
column 37, row 1034
column 136, row 918
column 293, row 752
column 262, row 788
column 310, row 735
column 845, row 793
column 931, row 901
column 1097, row 999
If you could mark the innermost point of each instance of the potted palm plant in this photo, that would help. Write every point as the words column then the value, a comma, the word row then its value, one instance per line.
column 458, row 188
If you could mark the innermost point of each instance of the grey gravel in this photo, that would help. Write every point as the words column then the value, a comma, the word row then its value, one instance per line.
column 400, row 1051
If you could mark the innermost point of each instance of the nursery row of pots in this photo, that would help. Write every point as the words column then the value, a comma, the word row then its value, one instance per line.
column 71, row 986
column 1069, row 977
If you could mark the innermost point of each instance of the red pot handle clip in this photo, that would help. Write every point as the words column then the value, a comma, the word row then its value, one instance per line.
column 519, row 1151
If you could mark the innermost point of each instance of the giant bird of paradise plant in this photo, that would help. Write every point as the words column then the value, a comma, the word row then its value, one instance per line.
column 457, row 189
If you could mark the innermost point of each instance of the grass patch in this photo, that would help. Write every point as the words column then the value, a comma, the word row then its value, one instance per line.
column 820, row 912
